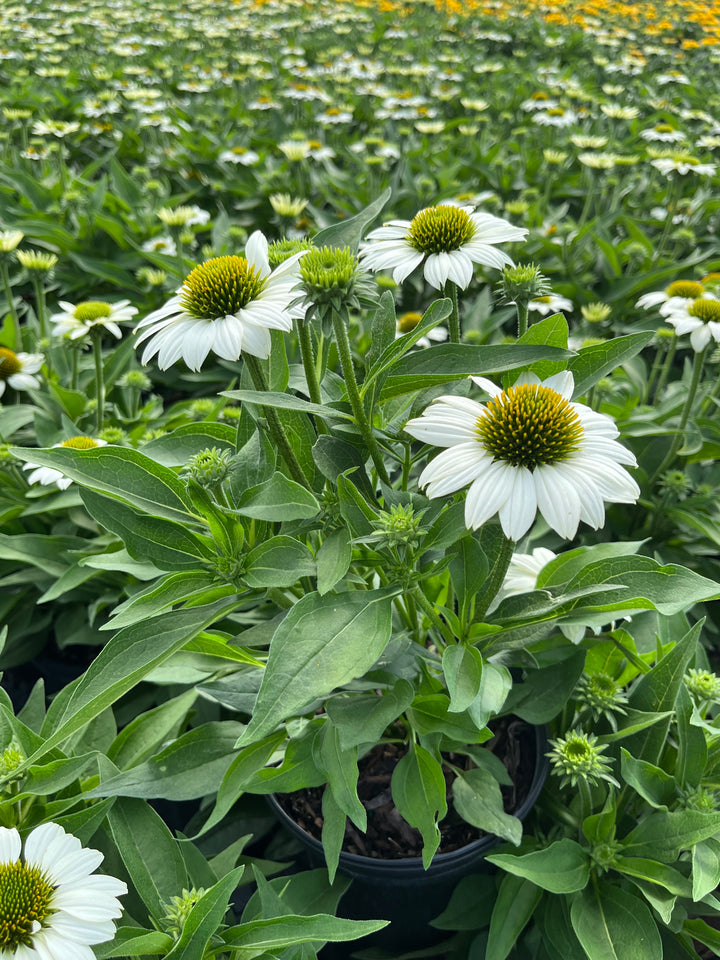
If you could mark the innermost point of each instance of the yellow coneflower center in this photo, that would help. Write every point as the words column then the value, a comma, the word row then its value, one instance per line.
column 25, row 898
column 440, row 229
column 664, row 128
column 79, row 443
column 9, row 363
column 408, row 321
column 91, row 310
column 705, row 310
column 689, row 289
column 530, row 425
column 547, row 299
column 220, row 287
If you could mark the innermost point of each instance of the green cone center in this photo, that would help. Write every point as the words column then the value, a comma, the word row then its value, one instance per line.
column 25, row 898
column 530, row 425
column 220, row 287
column 91, row 310
column 705, row 310
column 9, row 363
column 689, row 289
column 79, row 443
column 440, row 229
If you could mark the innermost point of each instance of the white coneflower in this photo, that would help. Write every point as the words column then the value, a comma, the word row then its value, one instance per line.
column 9, row 239
column 241, row 155
column 17, row 369
column 161, row 244
column 227, row 305
column 683, row 165
column 700, row 318
column 678, row 293
column 52, row 904
column 447, row 239
column 529, row 448
column 286, row 205
column 552, row 303
column 77, row 320
column 47, row 475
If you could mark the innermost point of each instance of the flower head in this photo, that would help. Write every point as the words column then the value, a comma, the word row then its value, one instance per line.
column 37, row 260
column 577, row 756
column 700, row 318
column 17, row 369
column 9, row 239
column 332, row 276
column 447, row 239
column 52, row 904
column 77, row 320
column 227, row 305
column 529, row 448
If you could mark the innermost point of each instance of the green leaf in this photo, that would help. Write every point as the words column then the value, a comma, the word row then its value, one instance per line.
column 333, row 831
column 278, row 499
column 515, row 905
column 364, row 719
column 470, row 905
column 261, row 936
column 278, row 562
column 651, row 782
column 614, row 925
column 141, row 738
column 551, row 331
column 191, row 766
column 150, row 853
column 705, row 867
column 333, row 560
column 204, row 918
column 463, row 667
column 349, row 233
column 286, row 401
column 598, row 360
column 121, row 473
column 664, row 834
column 704, row 933
column 169, row 545
column 692, row 746
column 468, row 571
column 430, row 714
column 158, row 596
column 478, row 800
column 14, row 418
column 335, row 457
column 54, row 776
column 543, row 693
column 418, row 790
column 125, row 660
column 382, row 331
column 322, row 643
column 569, row 563
column 134, row 942
column 341, row 770
column 563, row 867
column 653, row 872
column 174, row 449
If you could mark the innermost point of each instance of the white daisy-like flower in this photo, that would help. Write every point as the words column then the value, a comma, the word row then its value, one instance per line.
column 77, row 320
column 677, row 294
column 447, row 239
column 552, row 303
column 529, row 449
column 700, row 318
column 17, row 369
column 47, row 475
column 227, row 305
column 52, row 904
column 241, row 155
column 683, row 166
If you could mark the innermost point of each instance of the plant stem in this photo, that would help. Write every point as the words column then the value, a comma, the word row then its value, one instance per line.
column 4, row 272
column 654, row 371
column 40, row 309
column 664, row 372
column 274, row 424
column 311, row 375
column 343, row 345
column 433, row 615
column 99, row 380
column 698, row 361
column 522, row 312
column 450, row 290
column 495, row 577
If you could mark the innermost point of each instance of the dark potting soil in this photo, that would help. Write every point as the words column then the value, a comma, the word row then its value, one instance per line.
column 388, row 836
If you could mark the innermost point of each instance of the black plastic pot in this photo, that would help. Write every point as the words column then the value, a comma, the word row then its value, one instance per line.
column 402, row 891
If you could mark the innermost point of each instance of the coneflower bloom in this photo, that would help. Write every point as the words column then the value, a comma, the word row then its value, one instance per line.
column 529, row 449
column 77, row 320
column 227, row 305
column 700, row 318
column 47, row 475
column 17, row 369
column 447, row 239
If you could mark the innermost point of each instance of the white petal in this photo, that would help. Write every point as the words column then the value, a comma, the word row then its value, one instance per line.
column 488, row 493
column 700, row 338
column 10, row 844
column 256, row 252
column 79, row 931
column 563, row 383
column 453, row 469
column 256, row 341
column 518, row 513
column 488, row 386
column 403, row 270
column 557, row 501
column 437, row 269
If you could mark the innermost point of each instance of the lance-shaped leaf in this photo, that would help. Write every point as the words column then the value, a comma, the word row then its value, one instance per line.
column 563, row 867
column 418, row 789
column 614, row 925
column 321, row 644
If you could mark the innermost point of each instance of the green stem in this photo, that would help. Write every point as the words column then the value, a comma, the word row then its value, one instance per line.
column 450, row 290
column 274, row 424
column 343, row 345
column 433, row 615
column 522, row 312
column 4, row 272
column 498, row 568
column 585, row 804
column 698, row 361
column 665, row 371
column 311, row 376
column 99, row 380
column 654, row 371
column 40, row 309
